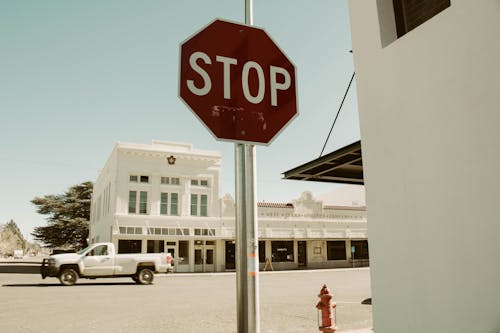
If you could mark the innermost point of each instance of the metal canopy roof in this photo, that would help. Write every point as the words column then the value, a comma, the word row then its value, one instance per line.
column 341, row 166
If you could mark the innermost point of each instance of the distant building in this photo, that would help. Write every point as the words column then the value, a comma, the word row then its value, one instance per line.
column 165, row 197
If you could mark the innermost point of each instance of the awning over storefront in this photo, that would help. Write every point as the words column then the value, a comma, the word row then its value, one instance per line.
column 341, row 166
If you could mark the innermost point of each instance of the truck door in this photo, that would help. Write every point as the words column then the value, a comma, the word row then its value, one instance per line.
column 98, row 262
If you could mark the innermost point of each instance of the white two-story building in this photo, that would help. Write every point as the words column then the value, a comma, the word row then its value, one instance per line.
column 165, row 197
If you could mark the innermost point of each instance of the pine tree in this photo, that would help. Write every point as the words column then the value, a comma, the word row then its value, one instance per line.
column 68, row 217
column 11, row 239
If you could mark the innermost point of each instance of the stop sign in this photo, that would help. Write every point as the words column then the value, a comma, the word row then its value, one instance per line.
column 237, row 82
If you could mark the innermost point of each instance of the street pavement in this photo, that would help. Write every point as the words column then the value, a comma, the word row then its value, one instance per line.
column 181, row 303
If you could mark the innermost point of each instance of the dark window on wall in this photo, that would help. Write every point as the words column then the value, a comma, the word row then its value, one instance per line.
column 184, row 252
column 156, row 246
column 129, row 246
column 262, row 251
column 409, row 14
column 282, row 251
column 360, row 249
column 335, row 250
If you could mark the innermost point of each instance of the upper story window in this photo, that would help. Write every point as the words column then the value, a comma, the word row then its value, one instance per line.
column 199, row 205
column 169, row 180
column 138, row 206
column 199, row 182
column 169, row 203
column 409, row 14
column 136, row 178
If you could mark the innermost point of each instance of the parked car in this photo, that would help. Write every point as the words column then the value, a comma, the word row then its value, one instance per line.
column 101, row 261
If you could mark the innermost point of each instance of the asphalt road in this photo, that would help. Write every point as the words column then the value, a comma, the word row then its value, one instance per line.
column 179, row 303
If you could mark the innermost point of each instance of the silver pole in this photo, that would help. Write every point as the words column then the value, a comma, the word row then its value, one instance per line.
column 247, row 259
column 249, row 12
column 247, row 250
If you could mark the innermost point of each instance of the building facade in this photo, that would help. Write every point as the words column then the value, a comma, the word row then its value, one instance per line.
column 165, row 197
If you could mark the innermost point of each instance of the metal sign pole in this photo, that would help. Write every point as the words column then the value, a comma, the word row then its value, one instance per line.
column 247, row 250
column 247, row 259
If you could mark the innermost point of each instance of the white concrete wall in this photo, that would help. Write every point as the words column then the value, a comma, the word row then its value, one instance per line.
column 429, row 115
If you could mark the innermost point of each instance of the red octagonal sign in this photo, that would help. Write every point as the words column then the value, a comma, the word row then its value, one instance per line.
column 238, row 82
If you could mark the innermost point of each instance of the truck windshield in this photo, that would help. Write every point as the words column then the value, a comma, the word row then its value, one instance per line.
column 82, row 251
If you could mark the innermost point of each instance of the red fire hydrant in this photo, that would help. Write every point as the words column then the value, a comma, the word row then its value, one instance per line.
column 326, row 305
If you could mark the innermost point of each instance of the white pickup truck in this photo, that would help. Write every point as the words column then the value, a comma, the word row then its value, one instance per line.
column 100, row 260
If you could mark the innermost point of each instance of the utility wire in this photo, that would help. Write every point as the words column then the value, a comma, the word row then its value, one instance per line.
column 338, row 111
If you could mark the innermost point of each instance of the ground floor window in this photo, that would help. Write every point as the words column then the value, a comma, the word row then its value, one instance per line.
column 129, row 246
column 282, row 251
column 156, row 246
column 184, row 252
column 360, row 249
column 335, row 250
column 262, row 251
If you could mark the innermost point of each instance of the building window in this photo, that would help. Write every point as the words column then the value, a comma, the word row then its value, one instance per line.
column 282, row 251
column 143, row 202
column 131, row 230
column 132, row 202
column 165, row 203
column 133, row 179
column 204, row 232
column 262, row 251
column 409, row 14
column 360, row 249
column 165, row 180
column 145, row 179
column 194, row 204
column 129, row 246
column 155, row 246
column 335, row 250
column 174, row 203
column 174, row 181
column 184, row 252
column 199, row 182
column 203, row 205
column 199, row 205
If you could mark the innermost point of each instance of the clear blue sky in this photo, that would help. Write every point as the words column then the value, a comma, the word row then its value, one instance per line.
column 78, row 76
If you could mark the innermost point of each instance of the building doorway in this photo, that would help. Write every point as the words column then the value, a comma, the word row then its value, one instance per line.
column 204, row 256
column 302, row 253
column 170, row 248
column 230, row 255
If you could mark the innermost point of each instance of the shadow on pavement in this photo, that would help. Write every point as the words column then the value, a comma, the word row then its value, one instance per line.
column 20, row 268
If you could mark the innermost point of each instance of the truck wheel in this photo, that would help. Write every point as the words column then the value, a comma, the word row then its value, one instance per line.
column 145, row 276
column 68, row 277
